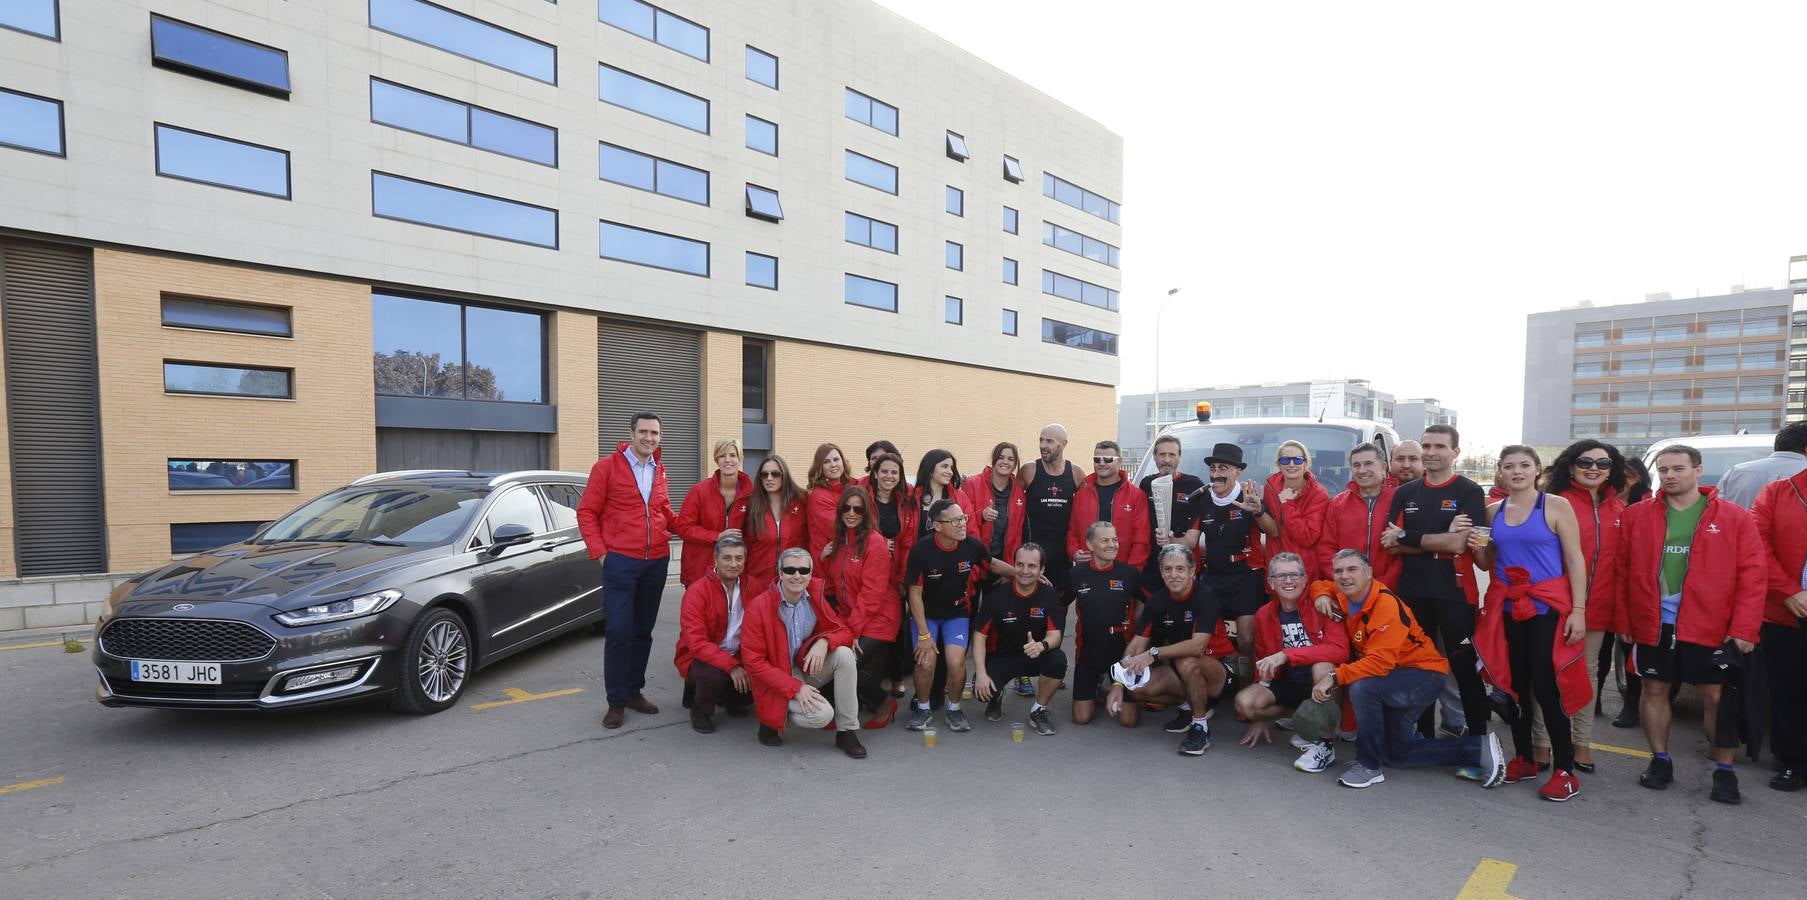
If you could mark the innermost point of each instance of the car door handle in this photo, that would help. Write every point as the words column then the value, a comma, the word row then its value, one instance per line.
column 550, row 546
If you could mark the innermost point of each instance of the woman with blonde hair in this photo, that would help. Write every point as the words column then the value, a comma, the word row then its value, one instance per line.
column 1298, row 502
column 716, row 506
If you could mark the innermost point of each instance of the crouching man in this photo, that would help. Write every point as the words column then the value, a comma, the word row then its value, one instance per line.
column 793, row 644
column 1177, row 644
column 1295, row 647
column 709, row 623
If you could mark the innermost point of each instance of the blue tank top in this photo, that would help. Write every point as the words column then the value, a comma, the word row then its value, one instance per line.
column 1530, row 545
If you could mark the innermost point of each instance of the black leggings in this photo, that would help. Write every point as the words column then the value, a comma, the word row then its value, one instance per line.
column 1529, row 643
column 1452, row 621
column 875, row 658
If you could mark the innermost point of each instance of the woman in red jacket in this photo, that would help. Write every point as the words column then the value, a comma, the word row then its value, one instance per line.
column 1299, row 503
column 895, row 517
column 1781, row 514
column 775, row 521
column 858, row 564
column 1590, row 475
column 826, row 476
column 995, row 504
column 716, row 506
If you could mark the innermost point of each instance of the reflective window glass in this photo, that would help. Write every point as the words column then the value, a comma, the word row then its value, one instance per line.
column 31, row 123
column 423, row 203
column 762, row 270
column 219, row 315
column 626, row 243
column 1009, row 270
column 1010, row 322
column 953, row 310
column 762, row 203
column 440, row 117
column 762, row 67
column 1079, row 198
column 869, row 111
column 871, row 173
column 465, row 36
column 956, row 201
column 517, row 506
column 956, row 256
column 649, row 173
column 37, row 17
column 417, row 346
column 231, row 475
column 1065, row 334
column 1075, row 289
column 871, row 233
column 217, row 56
column 193, row 156
column 859, row 290
column 1010, row 219
column 656, row 25
column 226, row 381
column 1073, row 242
column 648, row 97
column 562, row 501
column 503, row 355
column 200, row 537
column 1013, row 170
column 762, row 135
column 956, row 147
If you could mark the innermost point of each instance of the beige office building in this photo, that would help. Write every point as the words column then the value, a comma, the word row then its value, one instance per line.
column 787, row 223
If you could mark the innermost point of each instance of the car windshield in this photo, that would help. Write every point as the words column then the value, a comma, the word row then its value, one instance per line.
column 421, row 515
column 1329, row 446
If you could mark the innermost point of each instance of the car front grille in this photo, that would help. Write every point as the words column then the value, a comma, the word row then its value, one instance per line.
column 201, row 640
column 194, row 693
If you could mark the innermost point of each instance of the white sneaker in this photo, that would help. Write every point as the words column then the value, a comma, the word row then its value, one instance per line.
column 1300, row 743
column 1318, row 756
column 1284, row 723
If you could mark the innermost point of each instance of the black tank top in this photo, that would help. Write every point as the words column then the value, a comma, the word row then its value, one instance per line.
column 1050, row 499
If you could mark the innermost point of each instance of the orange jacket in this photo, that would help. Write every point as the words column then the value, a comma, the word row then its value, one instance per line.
column 1382, row 637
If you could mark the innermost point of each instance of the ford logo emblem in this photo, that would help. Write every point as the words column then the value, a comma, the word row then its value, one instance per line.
column 182, row 607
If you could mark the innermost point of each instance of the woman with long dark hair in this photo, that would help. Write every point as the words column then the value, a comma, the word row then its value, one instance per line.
column 937, row 478
column 1637, row 480
column 996, row 506
column 894, row 517
column 858, row 561
column 775, row 521
column 826, row 477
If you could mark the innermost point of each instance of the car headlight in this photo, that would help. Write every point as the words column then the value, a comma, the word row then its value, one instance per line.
column 336, row 610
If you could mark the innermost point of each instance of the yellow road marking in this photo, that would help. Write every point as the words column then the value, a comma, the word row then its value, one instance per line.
column 42, row 644
column 516, row 695
column 1489, row 881
column 1622, row 751
column 28, row 785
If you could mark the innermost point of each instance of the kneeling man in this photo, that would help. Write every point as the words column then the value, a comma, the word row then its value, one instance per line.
column 1295, row 647
column 793, row 644
column 1020, row 639
column 1174, row 644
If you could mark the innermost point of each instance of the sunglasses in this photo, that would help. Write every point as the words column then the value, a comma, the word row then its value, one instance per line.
column 953, row 521
column 1292, row 460
column 1101, row 460
column 1589, row 462
column 771, row 474
column 795, row 570
column 853, row 507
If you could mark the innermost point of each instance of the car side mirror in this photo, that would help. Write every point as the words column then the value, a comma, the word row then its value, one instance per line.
column 508, row 536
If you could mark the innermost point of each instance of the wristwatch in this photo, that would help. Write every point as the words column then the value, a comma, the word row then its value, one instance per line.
column 1154, row 653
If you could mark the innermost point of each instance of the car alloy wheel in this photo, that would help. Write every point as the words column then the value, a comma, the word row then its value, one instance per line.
column 443, row 660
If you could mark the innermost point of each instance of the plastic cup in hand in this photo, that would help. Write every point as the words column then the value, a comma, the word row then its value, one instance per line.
column 928, row 737
column 1486, row 534
column 1016, row 732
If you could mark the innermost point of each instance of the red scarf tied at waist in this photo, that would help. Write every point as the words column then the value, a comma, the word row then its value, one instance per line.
column 1514, row 597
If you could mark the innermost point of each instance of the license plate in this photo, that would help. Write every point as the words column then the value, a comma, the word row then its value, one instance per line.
column 176, row 672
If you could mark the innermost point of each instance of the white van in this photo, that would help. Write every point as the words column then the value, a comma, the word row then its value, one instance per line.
column 1328, row 439
column 1718, row 452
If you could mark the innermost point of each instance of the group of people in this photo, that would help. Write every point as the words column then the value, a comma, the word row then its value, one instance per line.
column 1348, row 616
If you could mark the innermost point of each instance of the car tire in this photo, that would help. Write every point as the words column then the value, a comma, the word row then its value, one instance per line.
column 436, row 663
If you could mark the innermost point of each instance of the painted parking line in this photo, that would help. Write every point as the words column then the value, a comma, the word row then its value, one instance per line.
column 30, row 785
column 516, row 695
column 42, row 644
column 1622, row 751
column 1489, row 881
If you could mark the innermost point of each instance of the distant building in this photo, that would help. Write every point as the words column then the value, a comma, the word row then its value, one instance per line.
column 1411, row 417
column 1796, row 408
column 1355, row 398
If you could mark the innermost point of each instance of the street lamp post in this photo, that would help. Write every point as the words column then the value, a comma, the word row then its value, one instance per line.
column 1158, row 312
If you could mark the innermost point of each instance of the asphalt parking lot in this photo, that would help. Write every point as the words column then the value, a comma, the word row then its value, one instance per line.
column 519, row 792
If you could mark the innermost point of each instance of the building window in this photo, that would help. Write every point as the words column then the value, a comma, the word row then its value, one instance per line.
column 1634, row 333
column 1672, row 393
column 220, row 57
column 1067, row 335
column 1720, row 324
column 1635, row 363
column 762, row 203
column 956, row 256
column 1078, row 244
column 474, row 39
column 1013, row 170
column 224, row 162
column 221, row 315
column 1009, row 220
column 762, row 67
column 1010, row 322
column 1074, row 289
column 1009, row 270
column 232, row 475
column 956, row 201
column 859, row 290
column 1760, row 390
column 1764, row 322
column 634, row 169
column 869, row 111
column 30, row 122
column 461, row 123
column 762, row 135
column 755, row 378
column 656, row 25
column 227, row 381
column 625, row 243
column 953, row 310
column 762, row 270
column 200, row 537
column 431, row 348
column 871, row 233
column 1760, row 356
column 956, row 147
column 619, row 87
column 437, row 206
column 870, row 172
column 1079, row 198
column 1670, row 329
column 37, row 17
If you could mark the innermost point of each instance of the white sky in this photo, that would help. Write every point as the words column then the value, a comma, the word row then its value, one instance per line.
column 1383, row 190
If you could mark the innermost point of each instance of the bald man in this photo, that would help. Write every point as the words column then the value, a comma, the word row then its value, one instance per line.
column 1049, row 487
column 1407, row 464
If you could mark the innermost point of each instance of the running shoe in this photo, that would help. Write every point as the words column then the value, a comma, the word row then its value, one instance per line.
column 1520, row 769
column 1024, row 687
column 1493, row 761
column 1360, row 776
column 1318, row 756
column 1725, row 787
column 1300, row 743
column 956, row 721
column 1471, row 773
column 1658, row 774
column 1182, row 720
column 994, row 708
column 1284, row 723
column 919, row 717
column 1040, row 721
column 1198, row 740
column 1560, row 787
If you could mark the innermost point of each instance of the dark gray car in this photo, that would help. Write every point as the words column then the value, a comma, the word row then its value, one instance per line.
column 399, row 585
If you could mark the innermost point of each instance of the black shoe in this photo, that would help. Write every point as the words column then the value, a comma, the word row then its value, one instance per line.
column 1658, row 774
column 1197, row 741
column 700, row 723
column 849, row 743
column 1182, row 720
column 994, row 708
column 1725, row 787
column 1627, row 717
column 1787, row 780
column 770, row 737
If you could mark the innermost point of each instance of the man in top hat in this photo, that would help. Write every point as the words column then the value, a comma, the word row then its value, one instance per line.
column 1228, row 520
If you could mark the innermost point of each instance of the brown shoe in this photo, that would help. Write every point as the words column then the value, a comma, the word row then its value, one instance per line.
column 614, row 717
column 638, row 703
column 849, row 742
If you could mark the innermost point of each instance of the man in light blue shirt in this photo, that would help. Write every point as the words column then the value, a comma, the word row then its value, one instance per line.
column 1743, row 482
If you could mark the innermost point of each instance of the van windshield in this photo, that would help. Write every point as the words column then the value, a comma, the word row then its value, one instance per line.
column 1329, row 446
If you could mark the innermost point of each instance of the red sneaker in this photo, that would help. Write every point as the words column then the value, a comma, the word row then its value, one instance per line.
column 1520, row 769
column 1560, row 787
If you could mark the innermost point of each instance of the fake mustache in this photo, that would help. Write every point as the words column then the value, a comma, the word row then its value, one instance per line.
column 1219, row 479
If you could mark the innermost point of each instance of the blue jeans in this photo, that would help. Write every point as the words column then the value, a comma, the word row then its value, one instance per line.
column 631, row 589
column 1386, row 716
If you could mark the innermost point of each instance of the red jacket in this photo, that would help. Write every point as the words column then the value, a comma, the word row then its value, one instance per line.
column 765, row 651
column 1130, row 516
column 1513, row 596
column 822, row 506
column 907, row 513
column 1301, row 521
column 762, row 551
column 1781, row 514
column 1329, row 639
column 1349, row 523
column 703, row 623
column 1727, row 575
column 1600, row 547
column 613, row 519
column 863, row 591
column 975, row 498
column 704, row 518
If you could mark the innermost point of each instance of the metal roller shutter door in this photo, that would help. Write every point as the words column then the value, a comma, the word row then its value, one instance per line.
column 53, row 408
column 644, row 369
column 476, row 451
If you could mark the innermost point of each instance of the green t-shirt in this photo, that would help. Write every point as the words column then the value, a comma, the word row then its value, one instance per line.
column 1676, row 543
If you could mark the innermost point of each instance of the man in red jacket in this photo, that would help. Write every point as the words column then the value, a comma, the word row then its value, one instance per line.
column 793, row 645
column 1781, row 514
column 1358, row 516
column 1693, row 575
column 625, row 517
column 709, row 638
column 1107, row 496
column 1296, row 646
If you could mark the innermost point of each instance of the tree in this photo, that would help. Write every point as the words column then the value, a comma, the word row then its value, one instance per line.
column 413, row 374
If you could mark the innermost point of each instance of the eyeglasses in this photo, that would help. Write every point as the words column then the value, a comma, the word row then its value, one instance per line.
column 853, row 508
column 1101, row 460
column 1286, row 576
column 954, row 521
column 1292, row 460
column 770, row 474
column 795, row 570
column 1593, row 462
